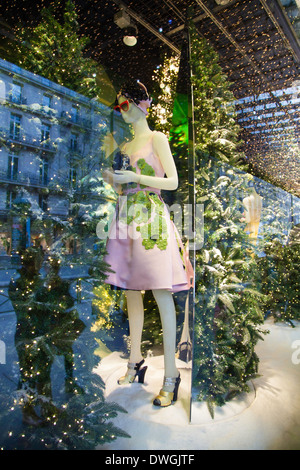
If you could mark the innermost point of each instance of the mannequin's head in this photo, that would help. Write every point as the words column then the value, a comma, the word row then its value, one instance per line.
column 134, row 100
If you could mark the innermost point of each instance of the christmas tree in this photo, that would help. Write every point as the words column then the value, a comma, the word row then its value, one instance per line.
column 55, row 51
column 48, row 325
column 280, row 278
column 229, row 304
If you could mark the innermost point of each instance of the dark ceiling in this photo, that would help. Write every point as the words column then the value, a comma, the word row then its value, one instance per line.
column 258, row 47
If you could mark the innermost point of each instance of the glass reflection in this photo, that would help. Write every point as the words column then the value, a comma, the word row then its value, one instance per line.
column 47, row 326
column 248, row 227
column 55, row 198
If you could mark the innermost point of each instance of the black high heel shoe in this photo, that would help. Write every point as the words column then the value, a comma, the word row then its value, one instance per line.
column 129, row 378
column 165, row 398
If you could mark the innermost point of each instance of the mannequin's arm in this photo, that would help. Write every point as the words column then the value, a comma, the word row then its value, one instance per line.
column 108, row 177
column 162, row 149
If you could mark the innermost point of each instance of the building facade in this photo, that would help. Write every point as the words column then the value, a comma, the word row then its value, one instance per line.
column 47, row 131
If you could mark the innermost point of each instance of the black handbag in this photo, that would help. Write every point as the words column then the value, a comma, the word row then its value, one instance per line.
column 121, row 161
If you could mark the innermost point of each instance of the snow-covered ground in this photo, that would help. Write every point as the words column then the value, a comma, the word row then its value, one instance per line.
column 268, row 418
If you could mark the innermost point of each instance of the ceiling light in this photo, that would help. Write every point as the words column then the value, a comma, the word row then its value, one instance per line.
column 130, row 36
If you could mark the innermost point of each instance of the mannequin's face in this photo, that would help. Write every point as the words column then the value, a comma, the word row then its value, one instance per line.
column 133, row 114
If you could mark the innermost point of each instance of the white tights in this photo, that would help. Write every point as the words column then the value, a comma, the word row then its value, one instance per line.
column 165, row 303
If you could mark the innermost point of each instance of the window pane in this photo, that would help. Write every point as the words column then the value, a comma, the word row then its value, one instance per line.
column 12, row 170
column 15, row 125
column 16, row 93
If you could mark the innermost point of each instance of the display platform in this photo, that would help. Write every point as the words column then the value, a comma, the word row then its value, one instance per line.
column 268, row 418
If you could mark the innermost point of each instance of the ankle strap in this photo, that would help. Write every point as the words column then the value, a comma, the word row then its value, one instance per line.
column 135, row 365
column 170, row 380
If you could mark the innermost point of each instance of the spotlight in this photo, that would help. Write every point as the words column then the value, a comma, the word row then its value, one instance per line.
column 130, row 36
column 122, row 19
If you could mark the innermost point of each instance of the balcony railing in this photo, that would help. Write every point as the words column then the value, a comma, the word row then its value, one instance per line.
column 42, row 110
column 75, row 119
column 34, row 180
column 27, row 140
column 33, row 108
column 15, row 99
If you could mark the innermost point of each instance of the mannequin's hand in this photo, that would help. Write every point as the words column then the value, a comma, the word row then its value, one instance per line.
column 108, row 176
column 125, row 176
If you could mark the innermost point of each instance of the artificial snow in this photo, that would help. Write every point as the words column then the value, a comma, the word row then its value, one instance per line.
column 267, row 418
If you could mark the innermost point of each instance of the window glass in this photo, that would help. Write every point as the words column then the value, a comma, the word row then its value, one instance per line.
column 15, row 126
column 16, row 93
column 149, row 183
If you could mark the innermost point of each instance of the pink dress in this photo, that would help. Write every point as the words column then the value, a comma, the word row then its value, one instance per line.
column 144, row 248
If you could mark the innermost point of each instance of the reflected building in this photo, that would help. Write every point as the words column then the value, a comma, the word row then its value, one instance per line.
column 46, row 132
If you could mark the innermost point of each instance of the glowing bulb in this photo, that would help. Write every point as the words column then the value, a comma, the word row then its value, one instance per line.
column 130, row 40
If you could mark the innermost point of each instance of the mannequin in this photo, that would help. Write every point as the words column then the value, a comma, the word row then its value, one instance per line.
column 253, row 206
column 149, row 266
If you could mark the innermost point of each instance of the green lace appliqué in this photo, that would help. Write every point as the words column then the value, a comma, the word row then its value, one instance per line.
column 146, row 169
column 148, row 212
